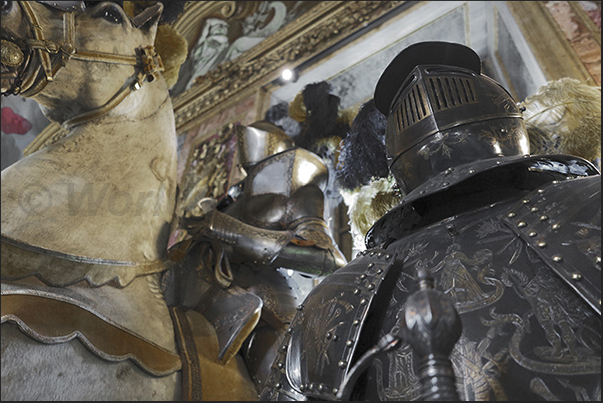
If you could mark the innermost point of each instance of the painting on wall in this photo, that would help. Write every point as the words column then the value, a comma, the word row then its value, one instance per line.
column 209, row 166
column 210, row 170
column 221, row 39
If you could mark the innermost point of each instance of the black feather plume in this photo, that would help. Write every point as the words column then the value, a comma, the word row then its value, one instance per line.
column 362, row 154
column 322, row 113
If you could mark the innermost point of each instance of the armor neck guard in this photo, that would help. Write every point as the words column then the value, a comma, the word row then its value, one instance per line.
column 537, row 170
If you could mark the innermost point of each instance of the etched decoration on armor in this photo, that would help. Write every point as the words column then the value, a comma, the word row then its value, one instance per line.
column 561, row 323
column 479, row 371
column 458, row 282
column 513, row 239
column 398, row 380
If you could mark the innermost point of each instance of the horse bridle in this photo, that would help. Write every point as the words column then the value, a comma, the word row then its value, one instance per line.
column 147, row 60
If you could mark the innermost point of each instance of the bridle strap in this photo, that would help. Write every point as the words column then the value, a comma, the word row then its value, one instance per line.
column 148, row 62
column 112, row 103
column 38, row 33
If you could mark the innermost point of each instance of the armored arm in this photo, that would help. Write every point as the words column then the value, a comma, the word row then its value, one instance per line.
column 305, row 245
column 241, row 241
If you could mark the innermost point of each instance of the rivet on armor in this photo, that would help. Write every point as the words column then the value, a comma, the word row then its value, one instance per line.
column 278, row 386
column 511, row 215
column 362, row 276
column 370, row 287
column 544, row 218
column 370, row 265
column 521, row 224
column 300, row 307
column 356, row 291
column 349, row 343
column 445, row 184
column 356, row 322
column 380, row 254
column 556, row 226
column 342, row 364
column 555, row 182
column 371, row 253
column 534, row 209
column 498, row 162
column 322, row 388
column 598, row 259
column 525, row 201
column 280, row 365
column 302, row 387
column 387, row 257
column 472, row 171
column 290, row 330
column 311, row 386
column 335, row 391
column 335, row 337
column 329, row 335
column 532, row 234
column 541, row 191
column 358, row 254
column 576, row 276
column 363, row 301
column 284, row 347
column 379, row 271
column 557, row 258
column 541, row 244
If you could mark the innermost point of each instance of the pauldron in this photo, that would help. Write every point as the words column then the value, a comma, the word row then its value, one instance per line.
column 561, row 222
column 326, row 331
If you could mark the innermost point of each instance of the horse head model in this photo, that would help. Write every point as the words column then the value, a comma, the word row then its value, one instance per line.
column 85, row 220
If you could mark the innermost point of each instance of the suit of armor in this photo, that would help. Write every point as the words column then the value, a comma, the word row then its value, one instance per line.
column 512, row 240
column 271, row 221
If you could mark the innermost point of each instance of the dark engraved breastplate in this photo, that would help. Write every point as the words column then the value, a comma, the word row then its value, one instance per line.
column 527, row 334
column 529, row 331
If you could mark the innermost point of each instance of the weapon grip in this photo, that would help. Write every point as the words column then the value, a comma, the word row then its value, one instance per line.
column 432, row 326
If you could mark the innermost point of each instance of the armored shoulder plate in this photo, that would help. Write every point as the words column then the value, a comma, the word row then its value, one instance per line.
column 318, row 348
column 561, row 222
column 286, row 172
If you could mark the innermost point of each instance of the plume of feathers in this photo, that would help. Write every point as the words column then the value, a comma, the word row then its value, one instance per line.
column 319, row 116
column 367, row 188
column 564, row 117
column 368, row 203
column 362, row 155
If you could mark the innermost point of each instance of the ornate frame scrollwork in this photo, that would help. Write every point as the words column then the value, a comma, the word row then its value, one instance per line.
column 310, row 34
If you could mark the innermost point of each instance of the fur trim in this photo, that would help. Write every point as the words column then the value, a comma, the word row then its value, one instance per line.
column 169, row 44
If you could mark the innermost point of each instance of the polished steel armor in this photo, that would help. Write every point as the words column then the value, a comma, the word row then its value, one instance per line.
column 259, row 141
column 513, row 240
column 273, row 220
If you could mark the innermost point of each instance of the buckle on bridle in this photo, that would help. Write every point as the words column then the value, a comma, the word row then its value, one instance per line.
column 152, row 64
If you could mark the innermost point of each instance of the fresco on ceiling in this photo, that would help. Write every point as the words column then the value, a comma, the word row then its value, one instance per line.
column 220, row 40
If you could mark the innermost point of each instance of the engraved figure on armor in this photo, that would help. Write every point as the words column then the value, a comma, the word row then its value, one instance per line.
column 240, row 248
column 511, row 240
